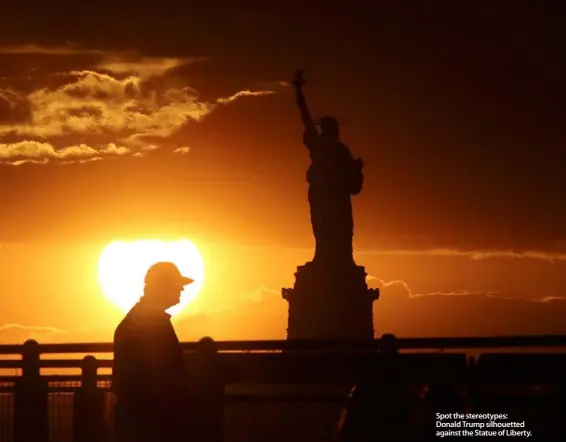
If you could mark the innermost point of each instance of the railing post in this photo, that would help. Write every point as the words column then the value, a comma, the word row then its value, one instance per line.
column 472, row 384
column 88, row 405
column 388, row 344
column 30, row 402
column 208, row 392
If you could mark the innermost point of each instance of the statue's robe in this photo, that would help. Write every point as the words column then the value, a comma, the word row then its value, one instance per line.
column 333, row 178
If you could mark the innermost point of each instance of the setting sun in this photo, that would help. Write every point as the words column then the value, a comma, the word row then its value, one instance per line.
column 122, row 267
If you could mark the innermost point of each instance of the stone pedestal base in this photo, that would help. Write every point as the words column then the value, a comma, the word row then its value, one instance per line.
column 330, row 303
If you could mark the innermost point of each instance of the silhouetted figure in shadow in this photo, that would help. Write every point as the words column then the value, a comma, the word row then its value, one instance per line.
column 378, row 408
column 149, row 376
column 441, row 397
column 207, row 391
column 333, row 176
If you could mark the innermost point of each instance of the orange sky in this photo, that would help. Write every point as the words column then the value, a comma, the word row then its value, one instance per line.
column 54, row 286
column 178, row 124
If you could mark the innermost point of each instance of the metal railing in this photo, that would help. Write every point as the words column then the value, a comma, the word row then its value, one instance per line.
column 530, row 341
column 35, row 407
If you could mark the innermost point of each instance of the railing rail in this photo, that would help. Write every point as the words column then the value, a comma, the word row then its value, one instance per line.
column 541, row 341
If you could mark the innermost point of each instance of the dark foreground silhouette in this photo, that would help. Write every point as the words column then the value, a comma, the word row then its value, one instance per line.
column 381, row 407
column 388, row 393
column 149, row 378
column 378, row 410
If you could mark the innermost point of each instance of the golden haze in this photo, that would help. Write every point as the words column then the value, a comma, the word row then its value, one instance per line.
column 122, row 267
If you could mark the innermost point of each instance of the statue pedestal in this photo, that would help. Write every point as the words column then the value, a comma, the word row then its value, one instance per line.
column 330, row 302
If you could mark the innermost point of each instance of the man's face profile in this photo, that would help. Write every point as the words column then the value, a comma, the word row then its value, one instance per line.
column 164, row 284
column 171, row 292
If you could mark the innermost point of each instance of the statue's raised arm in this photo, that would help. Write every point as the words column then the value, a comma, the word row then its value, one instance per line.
column 298, row 82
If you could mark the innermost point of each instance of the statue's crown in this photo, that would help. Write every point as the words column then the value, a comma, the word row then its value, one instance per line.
column 327, row 119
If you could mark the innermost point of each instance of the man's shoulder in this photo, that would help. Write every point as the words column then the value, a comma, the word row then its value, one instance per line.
column 122, row 333
column 128, row 327
column 140, row 324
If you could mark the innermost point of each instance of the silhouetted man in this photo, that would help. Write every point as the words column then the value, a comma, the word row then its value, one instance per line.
column 378, row 407
column 149, row 377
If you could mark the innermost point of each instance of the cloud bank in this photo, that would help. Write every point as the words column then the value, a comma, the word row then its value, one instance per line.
column 13, row 333
column 117, row 104
column 476, row 255
column 464, row 312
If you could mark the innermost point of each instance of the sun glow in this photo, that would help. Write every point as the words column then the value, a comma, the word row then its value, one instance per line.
column 122, row 267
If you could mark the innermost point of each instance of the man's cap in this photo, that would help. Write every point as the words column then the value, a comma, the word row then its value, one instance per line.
column 165, row 273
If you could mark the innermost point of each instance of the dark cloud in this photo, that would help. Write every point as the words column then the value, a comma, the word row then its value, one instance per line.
column 123, row 95
column 14, row 108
